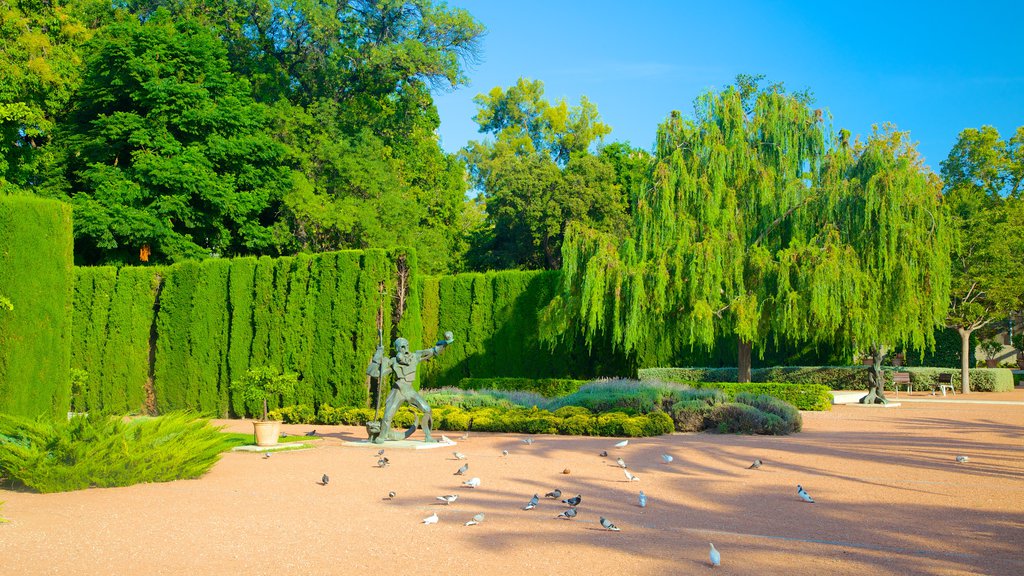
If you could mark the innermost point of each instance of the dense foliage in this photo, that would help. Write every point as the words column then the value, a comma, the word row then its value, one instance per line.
column 98, row 451
column 36, row 279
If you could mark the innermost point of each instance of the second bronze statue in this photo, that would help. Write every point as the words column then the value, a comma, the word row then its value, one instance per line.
column 403, row 365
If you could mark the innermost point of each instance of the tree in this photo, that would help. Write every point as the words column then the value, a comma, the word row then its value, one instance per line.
column 885, row 205
column 983, row 185
column 537, row 176
column 40, row 69
column 750, row 225
column 166, row 148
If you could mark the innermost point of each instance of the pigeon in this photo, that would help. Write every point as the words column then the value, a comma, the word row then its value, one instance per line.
column 311, row 433
column 473, row 482
column 266, row 455
column 574, row 501
column 459, row 455
column 556, row 493
column 527, row 440
column 504, row 452
column 803, row 494
column 432, row 519
column 608, row 525
column 603, row 454
column 446, row 440
column 631, row 477
column 568, row 514
column 448, row 499
column 380, row 452
column 476, row 520
column 620, row 462
column 643, row 499
column 756, row 465
column 622, row 444
column 383, row 462
column 391, row 496
column 324, row 480
column 464, row 436
column 961, row 459
column 462, row 470
column 666, row 458
column 532, row 503
column 716, row 558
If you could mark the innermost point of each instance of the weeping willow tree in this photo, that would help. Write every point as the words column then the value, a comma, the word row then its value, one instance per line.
column 756, row 224
column 885, row 205
column 724, row 241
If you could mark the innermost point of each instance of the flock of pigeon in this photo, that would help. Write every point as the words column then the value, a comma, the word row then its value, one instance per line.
column 572, row 503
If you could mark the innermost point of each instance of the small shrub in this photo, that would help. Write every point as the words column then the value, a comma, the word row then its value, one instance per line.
column 299, row 414
column 105, row 452
column 733, row 417
column 790, row 419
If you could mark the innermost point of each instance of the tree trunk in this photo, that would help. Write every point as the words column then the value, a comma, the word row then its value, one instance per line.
column 743, row 365
column 965, row 359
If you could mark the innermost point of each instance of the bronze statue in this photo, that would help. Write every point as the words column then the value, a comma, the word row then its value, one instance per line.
column 403, row 365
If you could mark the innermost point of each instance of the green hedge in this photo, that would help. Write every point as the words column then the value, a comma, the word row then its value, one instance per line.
column 37, row 279
column 981, row 379
column 312, row 315
column 494, row 318
column 113, row 319
column 813, row 397
column 547, row 387
column 832, row 377
column 570, row 420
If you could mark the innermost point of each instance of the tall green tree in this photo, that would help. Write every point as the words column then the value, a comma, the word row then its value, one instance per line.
column 538, row 175
column 984, row 182
column 166, row 148
column 40, row 70
column 881, row 201
column 750, row 226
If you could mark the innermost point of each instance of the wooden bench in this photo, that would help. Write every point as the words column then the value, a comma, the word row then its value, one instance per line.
column 899, row 378
column 944, row 381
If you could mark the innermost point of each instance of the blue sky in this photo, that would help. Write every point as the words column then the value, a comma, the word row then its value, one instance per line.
column 932, row 68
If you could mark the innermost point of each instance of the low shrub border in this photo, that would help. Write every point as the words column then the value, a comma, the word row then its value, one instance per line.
column 833, row 377
column 547, row 387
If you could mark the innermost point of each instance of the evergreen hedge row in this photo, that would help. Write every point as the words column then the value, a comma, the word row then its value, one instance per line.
column 494, row 317
column 315, row 316
column 547, row 387
column 832, row 377
column 36, row 278
column 112, row 322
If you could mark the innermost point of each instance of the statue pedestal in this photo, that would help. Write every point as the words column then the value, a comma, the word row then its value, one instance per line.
column 401, row 444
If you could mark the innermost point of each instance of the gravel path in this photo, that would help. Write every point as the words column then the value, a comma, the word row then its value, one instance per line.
column 890, row 499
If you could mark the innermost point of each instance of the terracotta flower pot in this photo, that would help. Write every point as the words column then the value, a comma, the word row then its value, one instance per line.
column 267, row 432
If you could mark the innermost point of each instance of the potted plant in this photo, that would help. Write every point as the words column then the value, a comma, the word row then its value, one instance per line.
column 991, row 348
column 257, row 385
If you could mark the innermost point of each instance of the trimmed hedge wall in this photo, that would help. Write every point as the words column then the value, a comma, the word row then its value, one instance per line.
column 36, row 277
column 112, row 323
column 833, row 377
column 813, row 397
column 494, row 318
column 312, row 315
column 547, row 387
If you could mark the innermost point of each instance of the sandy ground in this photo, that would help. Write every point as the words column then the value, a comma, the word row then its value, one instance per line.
column 890, row 500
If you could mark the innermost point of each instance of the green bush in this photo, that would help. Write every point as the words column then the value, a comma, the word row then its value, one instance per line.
column 36, row 283
column 982, row 379
column 98, row 451
column 734, row 417
column 547, row 387
column 631, row 396
column 298, row 414
column 790, row 419
column 832, row 377
column 814, row 397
